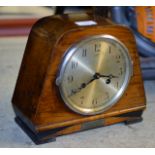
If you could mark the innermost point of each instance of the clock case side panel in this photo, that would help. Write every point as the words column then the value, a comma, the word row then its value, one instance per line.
column 36, row 59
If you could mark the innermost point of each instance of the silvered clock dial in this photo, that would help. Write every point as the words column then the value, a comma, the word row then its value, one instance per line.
column 94, row 74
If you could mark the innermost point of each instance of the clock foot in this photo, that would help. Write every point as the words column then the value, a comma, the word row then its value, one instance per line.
column 134, row 117
column 39, row 138
column 133, row 120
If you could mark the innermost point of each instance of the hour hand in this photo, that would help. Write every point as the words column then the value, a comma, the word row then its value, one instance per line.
column 83, row 85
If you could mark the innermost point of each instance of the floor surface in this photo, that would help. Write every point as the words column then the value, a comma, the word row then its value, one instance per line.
column 119, row 135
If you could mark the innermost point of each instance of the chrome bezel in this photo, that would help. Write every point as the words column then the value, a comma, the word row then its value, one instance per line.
column 67, row 56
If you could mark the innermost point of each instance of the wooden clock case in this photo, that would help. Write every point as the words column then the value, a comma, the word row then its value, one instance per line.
column 39, row 109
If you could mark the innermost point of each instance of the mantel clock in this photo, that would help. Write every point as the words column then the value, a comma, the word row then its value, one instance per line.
column 78, row 72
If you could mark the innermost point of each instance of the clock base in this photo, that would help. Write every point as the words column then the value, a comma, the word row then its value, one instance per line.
column 134, row 120
column 50, row 135
column 39, row 138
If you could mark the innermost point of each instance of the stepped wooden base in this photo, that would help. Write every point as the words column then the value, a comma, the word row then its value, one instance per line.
column 50, row 135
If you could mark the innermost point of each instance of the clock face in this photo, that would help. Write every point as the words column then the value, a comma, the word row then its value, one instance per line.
column 94, row 74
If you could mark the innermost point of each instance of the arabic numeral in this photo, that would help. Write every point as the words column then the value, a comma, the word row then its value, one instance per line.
column 72, row 91
column 84, row 52
column 121, row 70
column 97, row 48
column 74, row 65
column 81, row 98
column 109, row 49
column 94, row 101
column 118, row 57
column 117, row 84
column 70, row 78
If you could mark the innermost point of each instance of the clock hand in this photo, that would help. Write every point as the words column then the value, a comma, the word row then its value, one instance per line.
column 95, row 77
column 108, row 76
column 83, row 85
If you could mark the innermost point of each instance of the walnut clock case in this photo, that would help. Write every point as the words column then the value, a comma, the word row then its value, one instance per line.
column 78, row 72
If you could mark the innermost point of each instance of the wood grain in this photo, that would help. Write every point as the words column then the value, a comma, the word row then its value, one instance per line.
column 36, row 99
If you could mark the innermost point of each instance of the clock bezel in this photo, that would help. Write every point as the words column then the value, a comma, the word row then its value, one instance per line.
column 71, row 51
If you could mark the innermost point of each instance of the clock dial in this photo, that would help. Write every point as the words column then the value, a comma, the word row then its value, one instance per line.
column 94, row 74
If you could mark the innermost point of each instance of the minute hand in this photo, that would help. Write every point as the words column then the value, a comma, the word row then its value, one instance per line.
column 108, row 76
